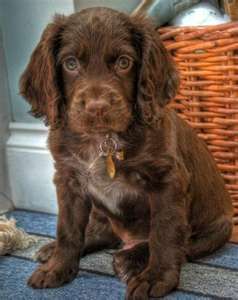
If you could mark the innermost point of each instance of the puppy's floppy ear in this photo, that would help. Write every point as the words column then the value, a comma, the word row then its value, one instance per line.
column 38, row 83
column 158, row 79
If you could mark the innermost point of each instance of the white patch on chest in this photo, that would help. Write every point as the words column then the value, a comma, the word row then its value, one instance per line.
column 109, row 192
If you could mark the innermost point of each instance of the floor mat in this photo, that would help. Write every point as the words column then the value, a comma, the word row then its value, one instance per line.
column 213, row 277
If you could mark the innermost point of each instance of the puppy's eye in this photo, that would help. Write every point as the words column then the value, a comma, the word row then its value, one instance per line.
column 71, row 63
column 124, row 62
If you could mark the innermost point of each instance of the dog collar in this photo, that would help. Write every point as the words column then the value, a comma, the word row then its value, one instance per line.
column 109, row 148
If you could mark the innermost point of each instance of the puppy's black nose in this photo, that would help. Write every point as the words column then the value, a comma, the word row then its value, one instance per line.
column 97, row 108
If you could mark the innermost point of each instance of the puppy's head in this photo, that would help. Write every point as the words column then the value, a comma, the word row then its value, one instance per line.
column 98, row 70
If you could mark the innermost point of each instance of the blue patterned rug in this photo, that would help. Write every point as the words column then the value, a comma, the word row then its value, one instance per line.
column 213, row 277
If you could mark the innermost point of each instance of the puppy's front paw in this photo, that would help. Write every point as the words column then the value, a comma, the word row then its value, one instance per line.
column 151, row 284
column 51, row 275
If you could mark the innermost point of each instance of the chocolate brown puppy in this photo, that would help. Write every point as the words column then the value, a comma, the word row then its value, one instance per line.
column 129, row 172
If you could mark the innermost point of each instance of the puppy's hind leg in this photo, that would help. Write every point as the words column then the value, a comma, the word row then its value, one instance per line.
column 99, row 234
column 45, row 252
column 210, row 239
column 128, row 263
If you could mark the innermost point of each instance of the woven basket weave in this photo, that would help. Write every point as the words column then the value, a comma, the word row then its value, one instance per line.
column 207, row 59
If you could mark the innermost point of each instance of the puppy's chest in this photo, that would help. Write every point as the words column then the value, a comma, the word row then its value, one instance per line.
column 117, row 194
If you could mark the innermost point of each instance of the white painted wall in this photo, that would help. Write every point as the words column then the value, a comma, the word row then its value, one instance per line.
column 22, row 24
column 121, row 5
column 5, row 196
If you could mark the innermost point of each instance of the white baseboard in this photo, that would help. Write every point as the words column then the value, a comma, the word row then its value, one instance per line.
column 30, row 168
column 5, row 204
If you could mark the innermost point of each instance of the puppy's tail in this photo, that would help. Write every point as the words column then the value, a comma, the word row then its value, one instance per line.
column 210, row 239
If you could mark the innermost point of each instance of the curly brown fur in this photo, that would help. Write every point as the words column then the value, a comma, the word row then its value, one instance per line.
column 102, row 72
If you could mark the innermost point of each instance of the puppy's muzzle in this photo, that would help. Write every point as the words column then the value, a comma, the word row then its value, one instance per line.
column 97, row 108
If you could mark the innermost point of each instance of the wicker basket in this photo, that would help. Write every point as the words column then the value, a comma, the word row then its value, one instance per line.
column 207, row 59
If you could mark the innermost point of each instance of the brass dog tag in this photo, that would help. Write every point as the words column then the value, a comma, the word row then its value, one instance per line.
column 111, row 169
